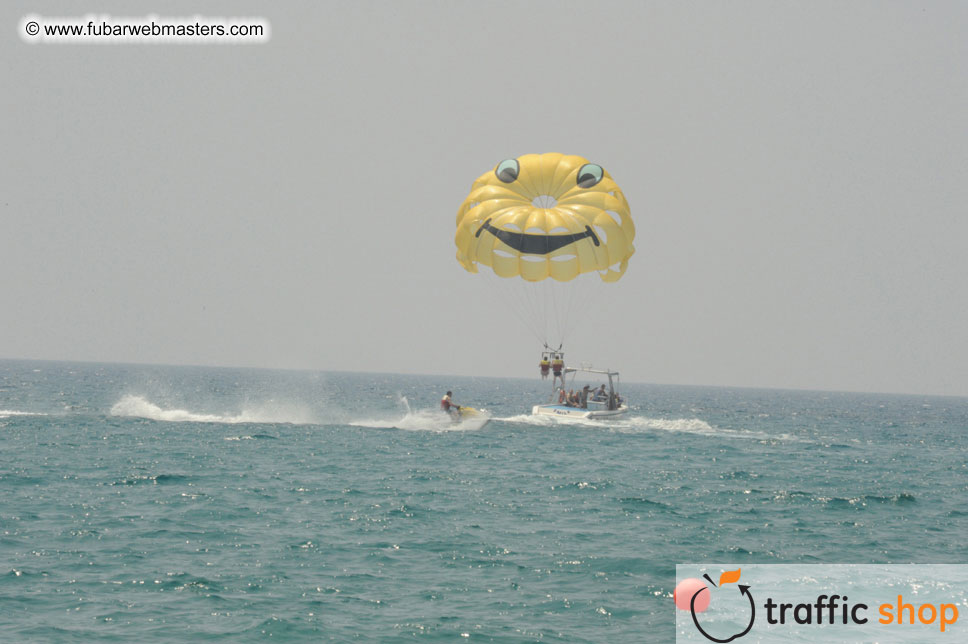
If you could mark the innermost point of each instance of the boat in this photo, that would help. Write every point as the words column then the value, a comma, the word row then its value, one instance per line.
column 612, row 405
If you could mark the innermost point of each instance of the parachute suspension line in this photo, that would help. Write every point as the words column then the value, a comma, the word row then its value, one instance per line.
column 550, row 312
column 569, row 309
column 528, row 306
column 517, row 301
column 542, row 297
column 547, row 306
column 544, row 301
column 537, row 303
column 526, row 310
column 577, row 294
column 579, row 302
column 542, row 293
column 534, row 300
column 549, row 293
column 559, row 300
column 556, row 310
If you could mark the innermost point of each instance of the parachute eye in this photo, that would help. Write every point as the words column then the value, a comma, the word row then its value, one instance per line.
column 507, row 170
column 589, row 174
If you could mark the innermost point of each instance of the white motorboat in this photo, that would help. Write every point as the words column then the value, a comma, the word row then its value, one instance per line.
column 594, row 406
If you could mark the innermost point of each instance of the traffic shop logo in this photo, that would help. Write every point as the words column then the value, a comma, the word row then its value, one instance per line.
column 695, row 596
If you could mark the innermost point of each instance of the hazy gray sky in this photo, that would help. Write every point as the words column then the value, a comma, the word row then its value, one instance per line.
column 797, row 172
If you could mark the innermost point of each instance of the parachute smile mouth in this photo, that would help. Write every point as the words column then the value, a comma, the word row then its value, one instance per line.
column 531, row 244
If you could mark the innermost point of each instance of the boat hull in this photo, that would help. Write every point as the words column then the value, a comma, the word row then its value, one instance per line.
column 575, row 412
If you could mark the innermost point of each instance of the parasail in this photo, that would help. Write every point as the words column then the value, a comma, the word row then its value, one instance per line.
column 542, row 216
column 549, row 223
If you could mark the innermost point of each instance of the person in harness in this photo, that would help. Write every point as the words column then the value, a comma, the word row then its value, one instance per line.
column 447, row 405
column 557, row 367
column 545, row 366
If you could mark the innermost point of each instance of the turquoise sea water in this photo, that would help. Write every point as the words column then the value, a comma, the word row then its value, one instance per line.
column 143, row 503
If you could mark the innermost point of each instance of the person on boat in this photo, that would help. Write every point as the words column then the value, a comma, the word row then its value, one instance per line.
column 562, row 396
column 600, row 394
column 584, row 397
column 573, row 399
column 447, row 405
column 614, row 401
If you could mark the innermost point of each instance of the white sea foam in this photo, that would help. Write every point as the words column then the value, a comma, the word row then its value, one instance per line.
column 428, row 420
column 6, row 413
column 686, row 426
column 642, row 424
column 141, row 407
column 549, row 421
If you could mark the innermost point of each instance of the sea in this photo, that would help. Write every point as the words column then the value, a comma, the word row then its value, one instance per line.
column 174, row 504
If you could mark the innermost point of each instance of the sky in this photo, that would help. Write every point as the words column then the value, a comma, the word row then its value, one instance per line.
column 797, row 173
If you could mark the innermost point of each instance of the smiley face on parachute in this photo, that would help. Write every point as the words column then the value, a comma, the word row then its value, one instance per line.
column 546, row 215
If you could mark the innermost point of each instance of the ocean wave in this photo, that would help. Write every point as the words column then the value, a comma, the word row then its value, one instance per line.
column 140, row 407
column 157, row 479
column 6, row 413
column 842, row 502
column 903, row 498
column 641, row 503
column 642, row 424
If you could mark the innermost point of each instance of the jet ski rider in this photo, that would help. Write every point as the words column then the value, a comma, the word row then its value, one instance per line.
column 447, row 405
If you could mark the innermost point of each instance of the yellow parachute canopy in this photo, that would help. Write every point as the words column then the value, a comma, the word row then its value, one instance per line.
column 546, row 215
